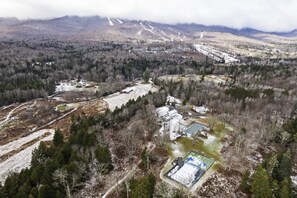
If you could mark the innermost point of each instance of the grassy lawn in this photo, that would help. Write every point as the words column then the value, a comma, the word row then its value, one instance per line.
column 63, row 107
column 198, row 146
column 220, row 129
column 209, row 147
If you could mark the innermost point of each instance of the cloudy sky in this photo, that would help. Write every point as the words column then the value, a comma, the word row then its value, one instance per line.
column 268, row 15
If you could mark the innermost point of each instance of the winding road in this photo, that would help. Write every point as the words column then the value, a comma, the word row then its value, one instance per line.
column 10, row 113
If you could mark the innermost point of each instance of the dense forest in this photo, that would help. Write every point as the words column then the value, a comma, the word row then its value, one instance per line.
column 272, row 177
column 33, row 73
column 257, row 100
column 61, row 168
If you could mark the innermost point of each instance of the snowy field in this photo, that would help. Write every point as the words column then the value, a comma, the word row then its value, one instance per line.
column 76, row 86
column 4, row 149
column 118, row 99
column 21, row 159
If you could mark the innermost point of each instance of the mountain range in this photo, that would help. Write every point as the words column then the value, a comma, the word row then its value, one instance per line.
column 107, row 28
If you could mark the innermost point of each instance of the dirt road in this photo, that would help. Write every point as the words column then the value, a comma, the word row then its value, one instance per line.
column 127, row 176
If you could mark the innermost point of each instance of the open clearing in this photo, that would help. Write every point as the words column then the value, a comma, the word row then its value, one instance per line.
column 4, row 149
column 20, row 133
column 118, row 99
column 76, row 86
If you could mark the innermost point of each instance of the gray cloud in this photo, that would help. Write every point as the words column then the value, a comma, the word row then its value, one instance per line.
column 268, row 15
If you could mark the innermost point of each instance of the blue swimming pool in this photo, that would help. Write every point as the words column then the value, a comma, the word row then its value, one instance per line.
column 194, row 129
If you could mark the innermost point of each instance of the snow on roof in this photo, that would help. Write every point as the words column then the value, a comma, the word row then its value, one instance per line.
column 128, row 89
column 162, row 111
column 200, row 109
column 172, row 118
column 186, row 174
column 171, row 99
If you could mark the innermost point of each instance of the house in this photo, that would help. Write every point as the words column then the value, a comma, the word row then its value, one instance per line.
column 128, row 90
column 172, row 100
column 200, row 110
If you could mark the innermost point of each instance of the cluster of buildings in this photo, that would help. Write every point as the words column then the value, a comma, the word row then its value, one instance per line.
column 188, row 170
column 218, row 56
column 176, row 124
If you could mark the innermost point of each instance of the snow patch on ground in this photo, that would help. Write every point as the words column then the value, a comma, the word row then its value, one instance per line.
column 118, row 20
column 4, row 149
column 211, row 139
column 65, row 87
column 57, row 98
column 177, row 151
column 139, row 32
column 201, row 35
column 294, row 180
column 110, row 21
column 147, row 29
column 118, row 99
column 74, row 86
column 20, row 160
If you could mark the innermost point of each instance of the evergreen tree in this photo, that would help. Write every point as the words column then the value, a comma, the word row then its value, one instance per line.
column 104, row 157
column 2, row 191
column 144, row 158
column 144, row 187
column 244, row 184
column 39, row 155
column 275, row 188
column 285, row 189
column 151, row 182
column 285, row 166
column 146, row 76
column 260, row 184
column 271, row 165
column 58, row 138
